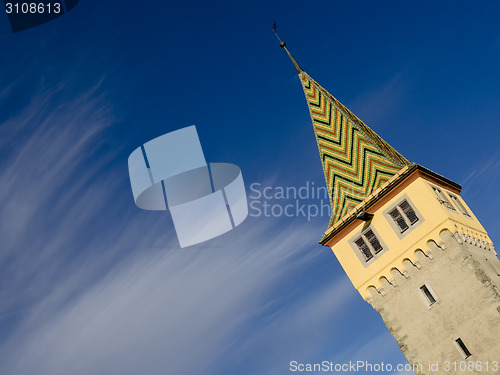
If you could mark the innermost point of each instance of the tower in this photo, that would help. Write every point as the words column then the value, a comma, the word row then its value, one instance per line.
column 409, row 244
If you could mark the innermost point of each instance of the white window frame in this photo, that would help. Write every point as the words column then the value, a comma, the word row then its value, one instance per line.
column 458, row 203
column 441, row 197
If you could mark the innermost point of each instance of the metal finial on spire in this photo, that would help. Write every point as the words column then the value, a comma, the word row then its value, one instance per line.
column 283, row 45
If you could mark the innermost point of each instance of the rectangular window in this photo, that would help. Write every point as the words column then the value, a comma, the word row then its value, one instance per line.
column 398, row 219
column 442, row 199
column 370, row 236
column 428, row 295
column 409, row 212
column 368, row 245
column 363, row 247
column 459, row 204
column 403, row 215
column 463, row 349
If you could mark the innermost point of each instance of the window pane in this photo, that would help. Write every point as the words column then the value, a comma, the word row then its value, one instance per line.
column 408, row 211
column 363, row 247
column 442, row 198
column 370, row 236
column 398, row 219
column 459, row 204
column 463, row 347
column 428, row 295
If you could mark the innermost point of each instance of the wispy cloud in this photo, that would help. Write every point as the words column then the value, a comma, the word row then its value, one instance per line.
column 375, row 352
column 178, row 311
column 485, row 171
column 373, row 106
column 482, row 181
column 299, row 332
column 92, row 285
column 46, row 190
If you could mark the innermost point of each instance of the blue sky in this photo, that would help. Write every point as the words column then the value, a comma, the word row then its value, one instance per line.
column 90, row 284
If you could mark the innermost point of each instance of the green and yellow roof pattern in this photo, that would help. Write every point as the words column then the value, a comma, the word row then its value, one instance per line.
column 356, row 161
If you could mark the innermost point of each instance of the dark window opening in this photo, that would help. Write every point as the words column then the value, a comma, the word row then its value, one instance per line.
column 404, row 216
column 462, row 346
column 363, row 247
column 368, row 244
column 398, row 219
column 428, row 295
column 408, row 211
column 370, row 236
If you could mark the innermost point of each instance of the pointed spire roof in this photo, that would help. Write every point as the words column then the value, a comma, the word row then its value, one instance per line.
column 356, row 161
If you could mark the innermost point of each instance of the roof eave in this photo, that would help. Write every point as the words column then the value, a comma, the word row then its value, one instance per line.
column 376, row 196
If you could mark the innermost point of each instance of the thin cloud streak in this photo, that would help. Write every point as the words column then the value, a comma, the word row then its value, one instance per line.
column 48, row 194
column 374, row 106
column 484, row 171
column 112, row 302
column 297, row 332
column 175, row 311
column 375, row 351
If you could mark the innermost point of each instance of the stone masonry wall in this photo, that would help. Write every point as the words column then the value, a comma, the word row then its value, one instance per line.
column 463, row 275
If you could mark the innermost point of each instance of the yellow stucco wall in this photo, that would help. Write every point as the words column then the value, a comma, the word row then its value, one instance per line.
column 435, row 218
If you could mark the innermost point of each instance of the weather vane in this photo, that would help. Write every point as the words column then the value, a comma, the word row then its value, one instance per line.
column 282, row 44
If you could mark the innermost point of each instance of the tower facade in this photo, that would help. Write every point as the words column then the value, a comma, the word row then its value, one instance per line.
column 409, row 244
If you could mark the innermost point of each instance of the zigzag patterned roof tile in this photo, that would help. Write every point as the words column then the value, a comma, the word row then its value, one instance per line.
column 356, row 160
